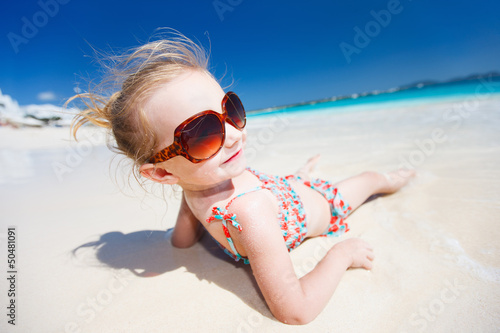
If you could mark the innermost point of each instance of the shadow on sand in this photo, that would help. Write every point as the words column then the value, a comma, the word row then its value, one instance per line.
column 149, row 253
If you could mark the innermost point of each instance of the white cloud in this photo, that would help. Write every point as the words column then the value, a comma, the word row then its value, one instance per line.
column 46, row 96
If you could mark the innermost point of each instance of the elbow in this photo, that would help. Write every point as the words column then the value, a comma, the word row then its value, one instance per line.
column 295, row 319
column 182, row 242
column 297, row 316
column 181, row 245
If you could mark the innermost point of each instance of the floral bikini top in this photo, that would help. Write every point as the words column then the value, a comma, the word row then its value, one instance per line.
column 291, row 214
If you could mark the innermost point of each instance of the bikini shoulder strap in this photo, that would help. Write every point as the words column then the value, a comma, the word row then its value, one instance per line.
column 225, row 216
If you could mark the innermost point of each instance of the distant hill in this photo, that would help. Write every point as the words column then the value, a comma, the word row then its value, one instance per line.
column 418, row 84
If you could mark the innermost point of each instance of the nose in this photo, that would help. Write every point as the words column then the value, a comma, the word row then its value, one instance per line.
column 233, row 135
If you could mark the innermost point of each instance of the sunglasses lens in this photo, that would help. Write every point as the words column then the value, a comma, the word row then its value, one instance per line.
column 235, row 110
column 203, row 136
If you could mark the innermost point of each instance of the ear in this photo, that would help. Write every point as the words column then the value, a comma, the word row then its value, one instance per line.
column 158, row 174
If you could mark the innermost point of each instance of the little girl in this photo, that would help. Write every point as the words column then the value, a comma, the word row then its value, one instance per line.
column 172, row 118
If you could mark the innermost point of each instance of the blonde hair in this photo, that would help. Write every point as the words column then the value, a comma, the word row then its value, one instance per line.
column 132, row 78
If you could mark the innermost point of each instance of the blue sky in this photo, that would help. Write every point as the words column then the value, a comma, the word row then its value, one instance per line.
column 277, row 52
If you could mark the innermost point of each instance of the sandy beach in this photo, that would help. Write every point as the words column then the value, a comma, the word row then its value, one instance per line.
column 93, row 250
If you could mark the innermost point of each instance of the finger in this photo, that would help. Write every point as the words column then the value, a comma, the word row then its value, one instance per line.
column 367, row 265
column 365, row 244
column 370, row 256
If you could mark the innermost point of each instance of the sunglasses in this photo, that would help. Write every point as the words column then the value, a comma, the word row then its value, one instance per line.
column 201, row 136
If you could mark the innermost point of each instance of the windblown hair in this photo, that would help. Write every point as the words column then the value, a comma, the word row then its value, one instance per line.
column 117, row 102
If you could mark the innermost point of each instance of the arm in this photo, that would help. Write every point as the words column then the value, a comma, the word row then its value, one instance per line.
column 291, row 300
column 351, row 253
column 187, row 230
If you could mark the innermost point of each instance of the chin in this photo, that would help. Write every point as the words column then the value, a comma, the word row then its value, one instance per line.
column 236, row 167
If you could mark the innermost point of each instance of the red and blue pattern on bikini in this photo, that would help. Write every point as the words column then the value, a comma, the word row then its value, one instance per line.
column 291, row 214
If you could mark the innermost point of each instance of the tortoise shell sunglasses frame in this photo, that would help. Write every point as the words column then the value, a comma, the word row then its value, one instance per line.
column 209, row 132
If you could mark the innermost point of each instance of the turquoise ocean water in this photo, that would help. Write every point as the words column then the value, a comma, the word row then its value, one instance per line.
column 420, row 94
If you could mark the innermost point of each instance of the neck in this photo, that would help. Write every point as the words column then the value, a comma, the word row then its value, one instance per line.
column 209, row 191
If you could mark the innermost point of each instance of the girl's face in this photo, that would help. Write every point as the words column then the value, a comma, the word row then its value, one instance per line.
column 176, row 101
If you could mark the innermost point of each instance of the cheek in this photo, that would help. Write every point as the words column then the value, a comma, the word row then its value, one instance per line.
column 244, row 135
column 199, row 173
column 180, row 166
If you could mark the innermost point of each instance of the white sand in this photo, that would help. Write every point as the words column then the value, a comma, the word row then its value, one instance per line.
column 437, row 266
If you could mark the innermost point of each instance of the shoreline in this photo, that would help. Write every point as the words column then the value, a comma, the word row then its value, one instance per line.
column 394, row 94
column 373, row 105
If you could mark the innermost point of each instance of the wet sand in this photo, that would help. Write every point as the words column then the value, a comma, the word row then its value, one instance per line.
column 93, row 253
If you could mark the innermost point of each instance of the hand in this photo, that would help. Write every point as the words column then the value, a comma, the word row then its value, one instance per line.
column 356, row 252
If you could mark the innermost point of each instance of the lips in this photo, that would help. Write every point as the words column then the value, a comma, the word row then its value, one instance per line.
column 235, row 156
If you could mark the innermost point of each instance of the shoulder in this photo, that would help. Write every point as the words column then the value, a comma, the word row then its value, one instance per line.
column 254, row 207
column 257, row 214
